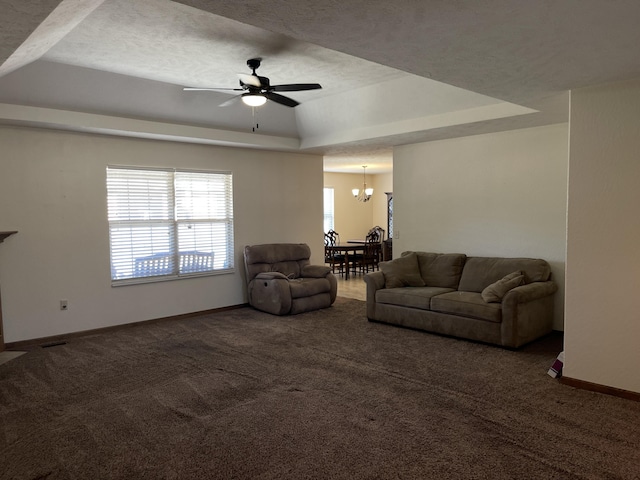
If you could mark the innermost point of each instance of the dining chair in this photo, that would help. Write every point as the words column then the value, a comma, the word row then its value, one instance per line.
column 380, row 231
column 370, row 257
column 331, row 239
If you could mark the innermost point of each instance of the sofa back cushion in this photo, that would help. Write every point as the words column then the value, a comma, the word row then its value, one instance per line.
column 402, row 272
column 480, row 272
column 286, row 258
column 440, row 269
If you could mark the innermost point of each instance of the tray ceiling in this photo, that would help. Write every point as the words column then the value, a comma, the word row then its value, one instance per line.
column 392, row 72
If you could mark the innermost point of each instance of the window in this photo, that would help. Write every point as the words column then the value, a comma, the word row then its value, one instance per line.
column 166, row 224
column 328, row 209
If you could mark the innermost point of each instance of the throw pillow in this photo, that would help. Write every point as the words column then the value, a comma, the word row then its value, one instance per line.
column 494, row 292
column 402, row 272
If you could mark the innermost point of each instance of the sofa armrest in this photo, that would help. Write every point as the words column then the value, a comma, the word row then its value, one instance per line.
column 529, row 292
column 527, row 313
column 375, row 282
column 315, row 271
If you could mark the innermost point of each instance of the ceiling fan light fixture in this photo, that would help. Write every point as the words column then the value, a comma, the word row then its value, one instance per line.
column 254, row 100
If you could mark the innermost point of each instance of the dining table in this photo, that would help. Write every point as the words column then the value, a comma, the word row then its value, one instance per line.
column 346, row 249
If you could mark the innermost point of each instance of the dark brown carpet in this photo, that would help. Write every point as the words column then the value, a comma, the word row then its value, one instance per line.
column 327, row 394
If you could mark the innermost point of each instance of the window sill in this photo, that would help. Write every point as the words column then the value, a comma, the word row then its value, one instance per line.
column 169, row 278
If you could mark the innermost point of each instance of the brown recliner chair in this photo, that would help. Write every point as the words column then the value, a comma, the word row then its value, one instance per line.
column 282, row 281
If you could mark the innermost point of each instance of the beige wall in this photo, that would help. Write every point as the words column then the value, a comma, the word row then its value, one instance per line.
column 501, row 194
column 603, row 237
column 353, row 219
column 52, row 190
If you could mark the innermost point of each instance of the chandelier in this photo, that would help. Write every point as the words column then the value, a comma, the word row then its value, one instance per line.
column 365, row 194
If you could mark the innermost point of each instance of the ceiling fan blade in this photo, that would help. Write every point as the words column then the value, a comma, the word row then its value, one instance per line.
column 247, row 79
column 281, row 99
column 231, row 101
column 196, row 89
column 296, row 87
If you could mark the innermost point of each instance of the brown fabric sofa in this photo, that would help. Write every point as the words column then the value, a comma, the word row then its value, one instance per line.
column 502, row 301
column 281, row 280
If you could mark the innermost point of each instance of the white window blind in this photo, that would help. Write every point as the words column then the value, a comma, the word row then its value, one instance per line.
column 328, row 209
column 166, row 223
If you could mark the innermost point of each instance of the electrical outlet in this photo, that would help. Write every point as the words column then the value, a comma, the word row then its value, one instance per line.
column 64, row 305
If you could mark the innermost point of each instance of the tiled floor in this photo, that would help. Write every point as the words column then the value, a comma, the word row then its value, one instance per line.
column 352, row 288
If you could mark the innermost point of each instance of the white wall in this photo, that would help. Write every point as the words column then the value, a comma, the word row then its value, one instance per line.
column 603, row 237
column 52, row 190
column 500, row 194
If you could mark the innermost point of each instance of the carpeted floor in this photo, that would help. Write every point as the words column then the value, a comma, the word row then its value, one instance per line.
column 326, row 395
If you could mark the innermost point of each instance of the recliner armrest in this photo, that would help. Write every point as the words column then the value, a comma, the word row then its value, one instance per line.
column 270, row 292
column 315, row 271
column 271, row 276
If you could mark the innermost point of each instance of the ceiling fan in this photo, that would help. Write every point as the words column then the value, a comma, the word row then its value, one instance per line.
column 258, row 89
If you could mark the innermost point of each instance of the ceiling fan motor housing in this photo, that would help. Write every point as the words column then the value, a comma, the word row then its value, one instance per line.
column 254, row 63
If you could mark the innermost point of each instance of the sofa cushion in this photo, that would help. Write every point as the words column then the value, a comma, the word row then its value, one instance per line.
column 497, row 290
column 402, row 272
column 440, row 269
column 467, row 304
column 306, row 287
column 480, row 272
column 418, row 297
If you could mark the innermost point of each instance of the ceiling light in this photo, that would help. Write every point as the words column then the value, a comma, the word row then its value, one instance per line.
column 254, row 100
column 365, row 194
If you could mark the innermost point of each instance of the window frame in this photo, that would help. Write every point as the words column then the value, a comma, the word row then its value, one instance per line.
column 332, row 214
column 174, row 225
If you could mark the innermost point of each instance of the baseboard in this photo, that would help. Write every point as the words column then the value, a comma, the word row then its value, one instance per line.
column 596, row 387
column 56, row 339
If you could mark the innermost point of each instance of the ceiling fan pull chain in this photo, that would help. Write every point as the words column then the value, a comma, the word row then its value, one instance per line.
column 255, row 118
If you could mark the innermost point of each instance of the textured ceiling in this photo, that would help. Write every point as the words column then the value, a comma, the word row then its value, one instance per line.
column 502, row 64
column 513, row 50
column 173, row 43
